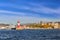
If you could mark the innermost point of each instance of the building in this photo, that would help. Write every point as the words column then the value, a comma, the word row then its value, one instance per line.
column 4, row 26
column 57, row 25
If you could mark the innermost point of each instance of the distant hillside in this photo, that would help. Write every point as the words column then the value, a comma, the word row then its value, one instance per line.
column 4, row 25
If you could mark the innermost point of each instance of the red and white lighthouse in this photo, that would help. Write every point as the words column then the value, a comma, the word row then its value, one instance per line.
column 18, row 24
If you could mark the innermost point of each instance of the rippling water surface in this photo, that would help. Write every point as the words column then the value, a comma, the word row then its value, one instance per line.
column 30, row 34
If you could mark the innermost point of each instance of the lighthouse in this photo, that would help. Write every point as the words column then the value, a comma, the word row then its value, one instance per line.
column 18, row 25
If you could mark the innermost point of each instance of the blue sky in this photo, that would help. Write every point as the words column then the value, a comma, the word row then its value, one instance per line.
column 29, row 11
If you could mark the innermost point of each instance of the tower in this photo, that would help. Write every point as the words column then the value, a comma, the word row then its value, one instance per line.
column 19, row 27
column 18, row 24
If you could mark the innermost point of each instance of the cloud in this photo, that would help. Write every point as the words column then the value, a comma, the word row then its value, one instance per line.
column 40, row 8
column 46, row 10
column 11, row 12
column 35, row 7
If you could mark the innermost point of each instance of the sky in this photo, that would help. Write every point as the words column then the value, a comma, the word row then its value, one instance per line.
column 29, row 11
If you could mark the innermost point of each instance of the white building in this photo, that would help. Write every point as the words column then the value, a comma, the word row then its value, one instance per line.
column 57, row 25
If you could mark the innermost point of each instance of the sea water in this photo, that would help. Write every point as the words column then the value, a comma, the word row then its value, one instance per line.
column 38, row 34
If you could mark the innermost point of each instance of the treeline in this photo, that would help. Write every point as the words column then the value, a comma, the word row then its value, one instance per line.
column 40, row 26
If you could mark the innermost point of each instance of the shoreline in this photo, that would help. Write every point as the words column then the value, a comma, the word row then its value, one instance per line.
column 37, row 29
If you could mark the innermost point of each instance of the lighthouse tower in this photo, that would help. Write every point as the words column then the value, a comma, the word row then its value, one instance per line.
column 18, row 25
